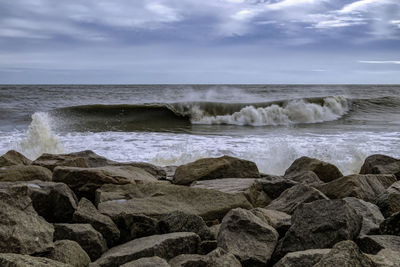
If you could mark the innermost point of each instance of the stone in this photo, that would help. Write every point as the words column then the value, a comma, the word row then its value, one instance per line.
column 303, row 258
column 165, row 246
column 307, row 177
column 17, row 260
column 215, row 230
column 346, row 254
column 363, row 186
column 319, row 224
column 24, row 173
column 216, row 258
column 188, row 260
column 207, row 246
column 22, row 230
column 13, row 157
column 69, row 252
column 215, row 168
column 389, row 201
column 133, row 226
column 386, row 258
column 277, row 219
column 147, row 262
column 85, row 235
column 381, row 164
column 326, row 172
column 372, row 244
column 391, row 225
column 274, row 186
column 291, row 198
column 156, row 199
column 179, row 221
column 248, row 237
column 88, row 213
column 372, row 216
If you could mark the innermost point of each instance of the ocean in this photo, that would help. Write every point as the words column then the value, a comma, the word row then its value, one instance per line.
column 271, row 125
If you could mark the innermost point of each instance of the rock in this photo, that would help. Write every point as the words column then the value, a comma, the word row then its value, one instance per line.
column 157, row 172
column 24, row 173
column 87, row 213
column 345, row 253
column 372, row 244
column 165, row 246
column 69, row 252
column 277, row 219
column 326, row 172
column 389, row 201
column 372, row 216
column 386, row 258
column 207, row 246
column 247, row 237
column 22, row 230
column 381, row 164
column 319, row 224
column 17, row 260
column 391, row 225
column 85, row 181
column 216, row 258
column 307, row 177
column 87, row 237
column 214, row 168
column 147, row 262
column 156, row 199
column 13, row 157
column 188, row 260
column 366, row 187
column 274, row 186
column 294, row 196
column 179, row 221
column 215, row 230
column 302, row 258
column 134, row 226
column 251, row 188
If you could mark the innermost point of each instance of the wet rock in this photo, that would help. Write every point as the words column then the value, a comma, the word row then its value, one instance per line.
column 386, row 258
column 85, row 235
column 69, row 252
column 165, row 246
column 24, row 173
column 147, row 262
column 381, row 164
column 17, row 260
column 307, row 177
column 248, row 237
column 216, row 258
column 391, row 225
column 13, row 157
column 366, row 187
column 277, row 219
column 214, row 168
column 326, row 172
column 304, row 258
column 291, row 198
column 274, row 186
column 389, row 201
column 372, row 244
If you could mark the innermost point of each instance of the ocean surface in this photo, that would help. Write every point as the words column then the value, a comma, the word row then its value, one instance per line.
column 271, row 125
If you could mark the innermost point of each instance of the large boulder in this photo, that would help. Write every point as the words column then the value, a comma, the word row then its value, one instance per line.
column 133, row 226
column 85, row 235
column 69, row 252
column 291, row 198
column 88, row 213
column 214, row 168
column 147, row 262
column 216, row 258
column 326, row 172
column 381, row 164
column 304, row 258
column 319, row 224
column 307, row 177
column 274, row 186
column 372, row 244
column 391, row 225
column 24, row 173
column 389, row 201
column 345, row 253
column 363, row 186
column 13, row 157
column 18, row 260
column 248, row 237
column 156, row 199
column 386, row 258
column 277, row 219
column 165, row 246
column 22, row 230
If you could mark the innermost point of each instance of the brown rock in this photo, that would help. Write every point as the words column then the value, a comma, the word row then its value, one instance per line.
column 13, row 157
column 17, row 260
column 16, row 173
column 69, row 252
column 381, row 164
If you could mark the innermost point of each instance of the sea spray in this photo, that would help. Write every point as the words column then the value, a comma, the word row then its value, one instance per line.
column 39, row 138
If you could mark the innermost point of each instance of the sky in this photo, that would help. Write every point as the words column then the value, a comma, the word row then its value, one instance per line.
column 199, row 41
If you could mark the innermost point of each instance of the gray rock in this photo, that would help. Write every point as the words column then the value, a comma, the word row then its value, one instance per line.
column 17, row 260
column 13, row 157
column 207, row 246
column 372, row 244
column 304, row 258
column 389, row 201
column 134, row 226
column 391, row 225
column 386, row 258
column 248, row 237
column 188, row 260
column 216, row 258
column 24, row 173
column 215, row 168
column 69, row 252
column 291, row 198
column 85, row 235
column 165, row 246
column 277, row 219
column 274, row 186
column 307, row 177
column 381, row 164
column 147, row 262
column 215, row 230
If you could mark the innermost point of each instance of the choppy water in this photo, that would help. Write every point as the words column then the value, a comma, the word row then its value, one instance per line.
column 174, row 124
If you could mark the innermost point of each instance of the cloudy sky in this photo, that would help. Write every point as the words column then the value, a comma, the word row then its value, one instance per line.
column 200, row 41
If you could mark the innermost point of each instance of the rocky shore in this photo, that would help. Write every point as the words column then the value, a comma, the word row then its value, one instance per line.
column 81, row 209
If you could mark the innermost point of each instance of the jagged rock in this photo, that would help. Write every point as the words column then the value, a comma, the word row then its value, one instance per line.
column 179, row 221
column 207, row 246
column 17, row 260
column 386, row 258
column 216, row 258
column 381, row 164
column 389, row 201
column 88, row 213
column 391, row 225
column 165, row 246
column 307, row 177
column 372, row 216
column 319, row 224
column 291, row 198
column 87, row 237
column 156, row 199
column 304, row 258
column 274, row 186
column 24, row 173
column 21, row 229
column 214, row 168
column 158, row 172
column 13, row 157
column 248, row 237
column 366, row 187
column 345, row 253
column 147, row 262
column 215, row 230
column 277, row 219
column 372, row 244
column 326, row 172
column 134, row 226
column 69, row 252
column 188, row 260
